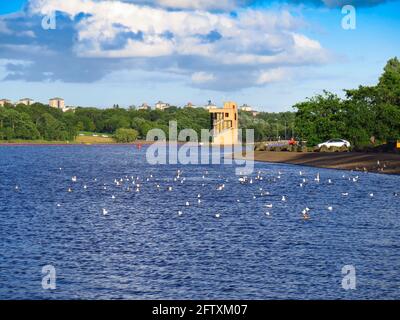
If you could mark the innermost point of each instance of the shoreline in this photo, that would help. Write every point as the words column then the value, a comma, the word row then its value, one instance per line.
column 389, row 163
column 62, row 143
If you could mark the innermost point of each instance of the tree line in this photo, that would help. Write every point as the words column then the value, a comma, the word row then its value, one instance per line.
column 366, row 115
column 40, row 121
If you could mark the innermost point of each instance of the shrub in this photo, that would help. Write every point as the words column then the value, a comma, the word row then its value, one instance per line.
column 125, row 135
column 324, row 149
column 260, row 146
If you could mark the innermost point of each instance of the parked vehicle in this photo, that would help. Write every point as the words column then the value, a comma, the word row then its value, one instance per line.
column 335, row 143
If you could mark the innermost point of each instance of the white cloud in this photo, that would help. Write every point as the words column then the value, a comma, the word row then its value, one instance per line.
column 201, row 77
column 273, row 75
column 199, row 43
column 198, row 4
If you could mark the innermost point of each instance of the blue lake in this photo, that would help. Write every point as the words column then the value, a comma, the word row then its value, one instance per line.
column 143, row 249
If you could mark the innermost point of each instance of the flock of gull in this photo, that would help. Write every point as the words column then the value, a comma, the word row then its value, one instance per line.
column 136, row 184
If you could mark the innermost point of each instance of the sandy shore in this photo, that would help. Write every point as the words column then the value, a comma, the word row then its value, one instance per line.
column 388, row 163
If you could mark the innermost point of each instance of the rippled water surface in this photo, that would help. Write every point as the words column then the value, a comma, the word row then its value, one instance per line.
column 144, row 249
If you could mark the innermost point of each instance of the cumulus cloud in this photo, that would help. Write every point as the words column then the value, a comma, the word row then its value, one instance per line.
column 357, row 3
column 227, row 5
column 213, row 49
column 273, row 75
column 201, row 77
column 329, row 3
column 196, row 4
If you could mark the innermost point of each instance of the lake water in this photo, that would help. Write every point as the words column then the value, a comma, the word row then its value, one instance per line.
column 143, row 249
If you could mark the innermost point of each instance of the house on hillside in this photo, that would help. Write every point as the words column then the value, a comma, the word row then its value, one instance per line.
column 210, row 105
column 26, row 101
column 3, row 102
column 162, row 105
column 57, row 103
column 246, row 108
column 144, row 106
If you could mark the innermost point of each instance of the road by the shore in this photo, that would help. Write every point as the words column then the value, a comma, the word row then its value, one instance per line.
column 388, row 163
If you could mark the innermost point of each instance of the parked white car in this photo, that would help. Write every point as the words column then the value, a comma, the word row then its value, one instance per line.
column 335, row 143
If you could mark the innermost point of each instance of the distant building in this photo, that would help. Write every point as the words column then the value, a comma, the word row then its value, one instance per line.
column 26, row 101
column 210, row 105
column 162, row 105
column 255, row 113
column 144, row 106
column 225, row 124
column 3, row 102
column 246, row 107
column 57, row 103
column 189, row 105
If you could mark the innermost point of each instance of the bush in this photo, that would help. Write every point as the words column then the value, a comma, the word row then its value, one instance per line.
column 125, row 135
column 260, row 146
column 324, row 149
column 331, row 149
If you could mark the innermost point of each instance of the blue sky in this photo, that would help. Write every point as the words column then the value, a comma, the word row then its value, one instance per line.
column 270, row 55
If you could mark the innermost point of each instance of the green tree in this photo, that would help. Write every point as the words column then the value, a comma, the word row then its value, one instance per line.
column 320, row 118
column 16, row 125
column 123, row 135
column 51, row 129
